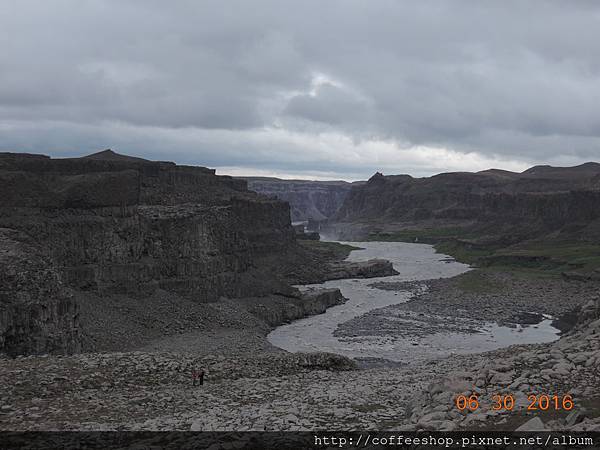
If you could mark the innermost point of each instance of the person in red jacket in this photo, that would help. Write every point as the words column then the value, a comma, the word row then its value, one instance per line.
column 197, row 377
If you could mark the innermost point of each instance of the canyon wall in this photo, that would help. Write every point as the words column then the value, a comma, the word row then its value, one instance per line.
column 540, row 199
column 317, row 200
column 112, row 224
column 37, row 313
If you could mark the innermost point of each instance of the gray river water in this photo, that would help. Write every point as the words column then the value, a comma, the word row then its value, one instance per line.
column 413, row 262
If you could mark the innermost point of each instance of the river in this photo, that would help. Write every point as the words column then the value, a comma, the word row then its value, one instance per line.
column 413, row 262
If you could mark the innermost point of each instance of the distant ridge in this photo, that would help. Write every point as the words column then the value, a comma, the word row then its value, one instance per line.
column 109, row 155
column 500, row 172
column 586, row 169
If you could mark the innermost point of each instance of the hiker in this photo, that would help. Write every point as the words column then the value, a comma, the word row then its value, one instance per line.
column 197, row 377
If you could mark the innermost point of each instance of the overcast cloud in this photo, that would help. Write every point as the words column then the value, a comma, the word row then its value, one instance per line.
column 312, row 89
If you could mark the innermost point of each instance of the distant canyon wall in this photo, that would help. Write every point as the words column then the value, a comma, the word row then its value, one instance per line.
column 540, row 199
column 317, row 200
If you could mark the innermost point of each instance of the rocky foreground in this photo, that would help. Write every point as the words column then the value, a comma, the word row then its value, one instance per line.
column 569, row 366
column 262, row 390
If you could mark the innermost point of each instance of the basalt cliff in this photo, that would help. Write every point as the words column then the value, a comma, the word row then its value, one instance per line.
column 96, row 251
column 111, row 224
column 497, row 204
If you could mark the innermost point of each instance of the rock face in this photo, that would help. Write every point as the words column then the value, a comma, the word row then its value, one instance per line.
column 317, row 200
column 37, row 314
column 112, row 224
column 308, row 304
column 540, row 198
column 135, row 225
column 362, row 269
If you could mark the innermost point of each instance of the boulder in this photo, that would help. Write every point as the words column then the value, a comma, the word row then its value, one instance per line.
column 534, row 424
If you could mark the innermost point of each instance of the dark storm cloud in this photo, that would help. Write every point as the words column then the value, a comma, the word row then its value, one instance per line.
column 252, row 84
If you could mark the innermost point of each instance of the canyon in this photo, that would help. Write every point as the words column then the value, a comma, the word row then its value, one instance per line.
column 314, row 200
column 119, row 276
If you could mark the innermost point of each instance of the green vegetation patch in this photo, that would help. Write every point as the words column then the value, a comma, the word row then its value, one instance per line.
column 534, row 258
column 529, row 259
column 477, row 282
column 462, row 252
column 425, row 235
column 575, row 255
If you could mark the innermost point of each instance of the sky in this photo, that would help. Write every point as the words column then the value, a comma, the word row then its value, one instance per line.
column 312, row 89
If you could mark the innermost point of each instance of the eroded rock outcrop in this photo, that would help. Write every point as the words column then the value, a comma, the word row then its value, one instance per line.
column 279, row 310
column 361, row 269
